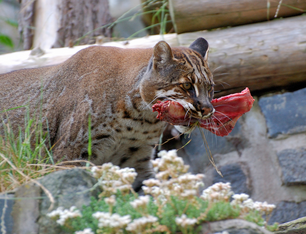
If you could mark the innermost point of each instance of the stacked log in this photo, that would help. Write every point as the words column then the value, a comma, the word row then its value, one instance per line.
column 259, row 56
column 190, row 16
column 58, row 23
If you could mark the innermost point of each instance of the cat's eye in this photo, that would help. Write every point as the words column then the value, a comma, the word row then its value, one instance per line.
column 187, row 85
column 209, row 87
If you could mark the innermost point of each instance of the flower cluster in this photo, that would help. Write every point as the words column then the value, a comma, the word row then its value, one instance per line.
column 172, row 178
column 111, row 178
column 217, row 192
column 264, row 207
column 85, row 231
column 243, row 201
column 174, row 188
column 152, row 187
column 111, row 201
column 169, row 165
column 140, row 203
column 246, row 204
column 63, row 215
column 113, row 221
column 141, row 224
column 185, row 222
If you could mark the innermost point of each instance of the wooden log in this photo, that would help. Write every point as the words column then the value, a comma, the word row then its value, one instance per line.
column 24, row 59
column 190, row 16
column 25, row 24
column 59, row 23
column 259, row 56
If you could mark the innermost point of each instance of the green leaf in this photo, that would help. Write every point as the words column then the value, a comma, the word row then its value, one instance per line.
column 6, row 40
column 11, row 22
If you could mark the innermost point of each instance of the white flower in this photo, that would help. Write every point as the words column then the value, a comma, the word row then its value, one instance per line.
column 151, row 182
column 65, row 214
column 186, row 178
column 111, row 201
column 163, row 175
column 217, row 192
column 85, row 231
column 111, row 220
column 94, row 170
column 248, row 203
column 142, row 201
column 108, row 166
column 154, row 191
column 169, row 161
column 189, row 193
column 56, row 212
column 111, row 178
column 264, row 207
column 141, row 224
column 184, row 222
column 238, row 199
column 241, row 197
column 127, row 174
column 162, row 153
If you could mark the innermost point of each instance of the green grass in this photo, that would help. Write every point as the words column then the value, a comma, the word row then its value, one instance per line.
column 159, row 18
column 23, row 155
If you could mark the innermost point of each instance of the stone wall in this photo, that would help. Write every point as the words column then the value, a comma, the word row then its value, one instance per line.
column 264, row 156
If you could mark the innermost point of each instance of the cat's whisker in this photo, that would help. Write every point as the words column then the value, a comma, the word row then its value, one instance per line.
column 223, row 115
column 222, row 82
column 221, row 74
column 212, row 123
column 186, row 114
column 224, row 105
column 149, row 104
column 217, row 69
column 221, row 125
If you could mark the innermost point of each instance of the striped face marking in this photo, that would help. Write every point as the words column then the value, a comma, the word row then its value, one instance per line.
column 190, row 84
column 196, row 90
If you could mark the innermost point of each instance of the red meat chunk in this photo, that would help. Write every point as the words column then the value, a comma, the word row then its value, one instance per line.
column 228, row 110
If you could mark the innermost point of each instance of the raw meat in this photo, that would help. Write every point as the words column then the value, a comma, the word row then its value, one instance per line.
column 228, row 110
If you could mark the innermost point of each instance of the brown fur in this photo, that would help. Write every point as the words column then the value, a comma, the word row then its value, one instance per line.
column 117, row 87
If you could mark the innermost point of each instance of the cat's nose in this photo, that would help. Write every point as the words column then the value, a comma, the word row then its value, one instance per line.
column 208, row 111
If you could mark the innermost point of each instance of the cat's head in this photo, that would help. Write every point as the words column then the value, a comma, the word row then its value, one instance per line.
column 182, row 75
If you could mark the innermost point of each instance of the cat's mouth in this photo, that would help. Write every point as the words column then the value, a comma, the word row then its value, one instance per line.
column 228, row 110
column 182, row 111
column 198, row 115
column 173, row 112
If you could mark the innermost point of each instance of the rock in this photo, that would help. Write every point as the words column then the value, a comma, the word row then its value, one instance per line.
column 72, row 187
column 233, row 226
column 6, row 220
column 69, row 188
column 285, row 113
column 26, row 209
column 288, row 211
column 293, row 164
column 196, row 152
column 238, row 175
column 294, row 227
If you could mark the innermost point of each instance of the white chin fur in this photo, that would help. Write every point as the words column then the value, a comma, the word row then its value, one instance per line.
column 182, row 129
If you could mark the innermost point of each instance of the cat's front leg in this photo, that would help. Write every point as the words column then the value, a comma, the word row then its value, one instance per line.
column 139, row 158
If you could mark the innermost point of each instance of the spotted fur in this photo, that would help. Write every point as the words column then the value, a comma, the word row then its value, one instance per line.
column 117, row 88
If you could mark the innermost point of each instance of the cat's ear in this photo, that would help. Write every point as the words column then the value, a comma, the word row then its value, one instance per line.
column 162, row 54
column 201, row 46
